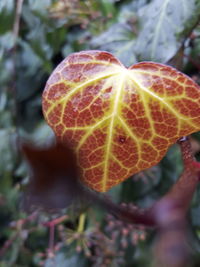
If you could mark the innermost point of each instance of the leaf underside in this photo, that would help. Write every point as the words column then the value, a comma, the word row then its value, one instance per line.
column 118, row 120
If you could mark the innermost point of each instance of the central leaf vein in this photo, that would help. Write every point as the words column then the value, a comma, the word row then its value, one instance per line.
column 111, row 129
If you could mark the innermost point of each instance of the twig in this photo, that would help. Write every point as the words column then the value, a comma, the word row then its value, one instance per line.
column 51, row 225
column 56, row 221
column 13, row 89
column 19, row 4
column 51, row 240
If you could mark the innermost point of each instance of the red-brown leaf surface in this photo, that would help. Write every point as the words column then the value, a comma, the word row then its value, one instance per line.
column 118, row 120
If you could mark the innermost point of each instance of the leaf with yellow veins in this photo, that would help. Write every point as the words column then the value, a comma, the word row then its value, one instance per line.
column 118, row 120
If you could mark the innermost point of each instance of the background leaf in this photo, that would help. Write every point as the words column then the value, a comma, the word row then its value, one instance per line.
column 119, row 39
column 163, row 25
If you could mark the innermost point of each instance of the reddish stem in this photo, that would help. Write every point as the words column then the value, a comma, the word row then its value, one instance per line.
column 51, row 225
column 8, row 244
column 56, row 221
column 51, row 240
column 170, row 213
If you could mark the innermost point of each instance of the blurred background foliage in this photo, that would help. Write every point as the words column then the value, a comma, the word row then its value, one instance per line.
column 165, row 31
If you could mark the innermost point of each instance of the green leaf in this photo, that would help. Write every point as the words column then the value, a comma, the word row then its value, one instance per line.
column 40, row 6
column 8, row 160
column 7, row 42
column 141, row 184
column 128, row 10
column 195, row 51
column 6, row 163
column 62, row 261
column 29, row 60
column 42, row 134
column 163, row 24
column 6, row 15
column 6, row 5
column 119, row 40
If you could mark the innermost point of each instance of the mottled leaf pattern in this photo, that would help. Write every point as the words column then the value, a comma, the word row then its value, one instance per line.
column 119, row 121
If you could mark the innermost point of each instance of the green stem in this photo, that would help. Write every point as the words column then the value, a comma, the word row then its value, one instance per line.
column 81, row 223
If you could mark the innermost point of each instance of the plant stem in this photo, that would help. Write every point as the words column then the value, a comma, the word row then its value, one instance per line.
column 13, row 52
column 81, row 223
column 170, row 212
column 18, row 12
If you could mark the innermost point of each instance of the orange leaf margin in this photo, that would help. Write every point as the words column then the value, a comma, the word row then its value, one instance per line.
column 118, row 120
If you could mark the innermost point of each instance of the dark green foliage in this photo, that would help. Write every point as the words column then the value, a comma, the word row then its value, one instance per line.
column 163, row 31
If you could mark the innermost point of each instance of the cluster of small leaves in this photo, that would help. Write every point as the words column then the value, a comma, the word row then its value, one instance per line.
column 50, row 30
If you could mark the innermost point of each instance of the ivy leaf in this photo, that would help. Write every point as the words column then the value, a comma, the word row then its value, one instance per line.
column 6, row 5
column 163, row 28
column 54, row 181
column 119, row 40
column 118, row 120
